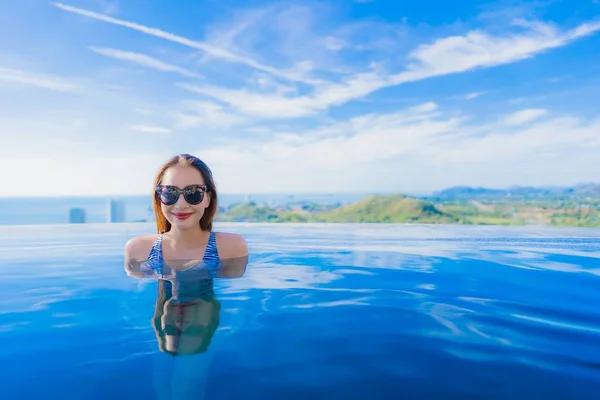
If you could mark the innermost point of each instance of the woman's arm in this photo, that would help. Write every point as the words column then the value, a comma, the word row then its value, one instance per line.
column 136, row 257
column 232, row 267
column 233, row 254
column 139, row 269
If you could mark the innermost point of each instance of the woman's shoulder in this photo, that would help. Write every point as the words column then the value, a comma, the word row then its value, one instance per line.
column 139, row 247
column 231, row 245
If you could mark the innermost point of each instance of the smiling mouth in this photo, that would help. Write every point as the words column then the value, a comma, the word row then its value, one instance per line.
column 181, row 216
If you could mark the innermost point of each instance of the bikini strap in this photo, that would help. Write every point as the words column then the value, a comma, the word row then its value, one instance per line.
column 156, row 255
column 211, row 253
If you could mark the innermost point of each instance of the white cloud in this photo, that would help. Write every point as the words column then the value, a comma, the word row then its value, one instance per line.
column 15, row 76
column 418, row 149
column 196, row 114
column 142, row 111
column 525, row 116
column 425, row 107
column 565, row 137
column 409, row 151
column 276, row 105
column 359, row 140
column 145, row 61
column 236, row 30
column 78, row 174
column 149, row 129
column 472, row 95
column 478, row 49
column 216, row 52
column 334, row 44
column 444, row 56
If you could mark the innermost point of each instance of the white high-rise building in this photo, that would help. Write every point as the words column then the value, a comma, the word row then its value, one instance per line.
column 116, row 211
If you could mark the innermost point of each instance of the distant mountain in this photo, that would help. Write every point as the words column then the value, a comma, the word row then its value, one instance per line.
column 578, row 206
column 465, row 193
column 375, row 208
column 389, row 208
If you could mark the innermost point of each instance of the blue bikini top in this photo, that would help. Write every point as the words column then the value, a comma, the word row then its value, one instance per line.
column 190, row 283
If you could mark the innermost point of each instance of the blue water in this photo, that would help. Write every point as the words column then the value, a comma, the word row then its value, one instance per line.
column 323, row 312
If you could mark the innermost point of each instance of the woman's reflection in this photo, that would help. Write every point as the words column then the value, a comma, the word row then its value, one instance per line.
column 186, row 318
column 187, row 311
column 184, row 328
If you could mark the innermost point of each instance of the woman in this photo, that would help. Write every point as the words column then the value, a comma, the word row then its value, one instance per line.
column 185, row 256
column 185, row 203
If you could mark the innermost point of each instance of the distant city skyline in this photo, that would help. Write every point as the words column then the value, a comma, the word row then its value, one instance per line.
column 115, row 212
column 299, row 97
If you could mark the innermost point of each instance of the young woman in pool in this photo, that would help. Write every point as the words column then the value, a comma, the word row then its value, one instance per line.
column 185, row 256
column 185, row 203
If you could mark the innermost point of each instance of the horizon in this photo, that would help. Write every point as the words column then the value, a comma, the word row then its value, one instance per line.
column 507, row 188
column 298, row 98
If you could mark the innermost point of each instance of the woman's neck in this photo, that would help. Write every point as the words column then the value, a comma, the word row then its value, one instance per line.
column 186, row 239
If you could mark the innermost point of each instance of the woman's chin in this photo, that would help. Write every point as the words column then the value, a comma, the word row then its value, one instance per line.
column 185, row 223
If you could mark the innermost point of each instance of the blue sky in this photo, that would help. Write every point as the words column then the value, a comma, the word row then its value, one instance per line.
column 339, row 96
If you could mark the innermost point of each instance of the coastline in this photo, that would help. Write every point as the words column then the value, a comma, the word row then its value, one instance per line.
column 248, row 224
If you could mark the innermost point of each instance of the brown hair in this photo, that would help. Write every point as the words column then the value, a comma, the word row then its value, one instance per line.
column 206, row 222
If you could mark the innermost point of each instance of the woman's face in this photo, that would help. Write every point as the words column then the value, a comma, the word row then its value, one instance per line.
column 183, row 215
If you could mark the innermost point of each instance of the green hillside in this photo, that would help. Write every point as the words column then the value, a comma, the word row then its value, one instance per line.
column 378, row 208
column 577, row 206
column 394, row 208
column 250, row 212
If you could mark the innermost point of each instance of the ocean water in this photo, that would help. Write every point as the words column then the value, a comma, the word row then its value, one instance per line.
column 355, row 311
column 55, row 210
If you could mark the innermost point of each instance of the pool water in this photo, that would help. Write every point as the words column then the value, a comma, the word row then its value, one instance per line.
column 324, row 311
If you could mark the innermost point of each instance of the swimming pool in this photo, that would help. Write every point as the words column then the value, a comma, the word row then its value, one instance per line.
column 356, row 311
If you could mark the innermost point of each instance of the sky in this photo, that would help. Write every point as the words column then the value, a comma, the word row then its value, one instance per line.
column 299, row 96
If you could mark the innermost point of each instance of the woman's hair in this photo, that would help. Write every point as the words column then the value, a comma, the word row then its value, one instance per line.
column 206, row 222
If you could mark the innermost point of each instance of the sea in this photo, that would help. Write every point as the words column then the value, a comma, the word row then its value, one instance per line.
column 323, row 311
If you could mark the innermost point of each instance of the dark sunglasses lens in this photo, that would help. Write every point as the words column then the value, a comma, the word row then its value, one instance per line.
column 194, row 195
column 168, row 196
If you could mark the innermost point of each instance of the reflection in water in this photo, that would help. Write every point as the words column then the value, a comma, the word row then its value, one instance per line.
column 186, row 316
column 184, row 328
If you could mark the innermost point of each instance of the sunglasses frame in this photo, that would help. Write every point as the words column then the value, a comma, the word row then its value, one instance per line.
column 184, row 192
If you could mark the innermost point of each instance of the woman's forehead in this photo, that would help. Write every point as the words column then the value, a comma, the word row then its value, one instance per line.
column 182, row 176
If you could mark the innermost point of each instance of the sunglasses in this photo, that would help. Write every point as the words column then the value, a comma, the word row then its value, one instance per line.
column 168, row 195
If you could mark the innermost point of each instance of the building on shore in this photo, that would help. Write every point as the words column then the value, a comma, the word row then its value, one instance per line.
column 76, row 215
column 115, row 211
